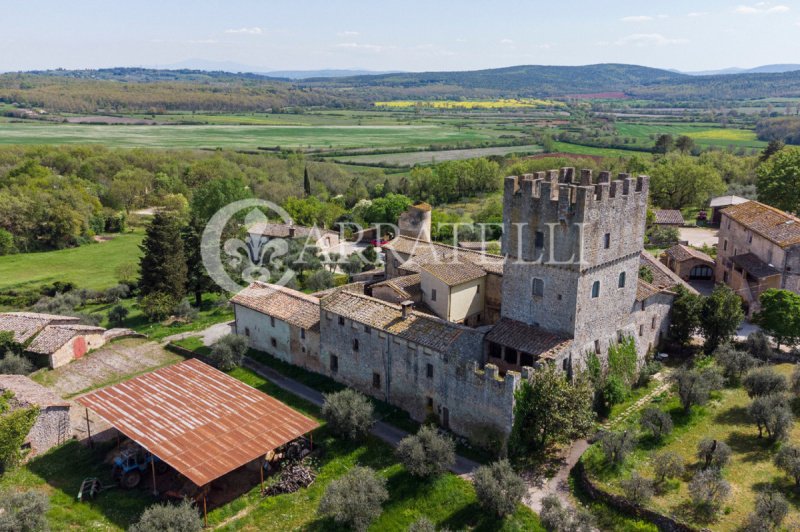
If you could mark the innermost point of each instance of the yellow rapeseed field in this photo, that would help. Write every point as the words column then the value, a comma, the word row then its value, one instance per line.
column 472, row 104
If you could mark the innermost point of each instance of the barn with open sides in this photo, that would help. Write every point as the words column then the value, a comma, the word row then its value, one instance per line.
column 200, row 421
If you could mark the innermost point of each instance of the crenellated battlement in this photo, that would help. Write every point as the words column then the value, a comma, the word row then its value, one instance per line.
column 573, row 194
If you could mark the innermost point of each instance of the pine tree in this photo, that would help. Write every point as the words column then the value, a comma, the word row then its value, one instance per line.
column 306, row 182
column 198, row 280
column 163, row 265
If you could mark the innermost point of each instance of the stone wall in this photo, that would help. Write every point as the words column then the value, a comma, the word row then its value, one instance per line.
column 51, row 428
column 76, row 348
column 263, row 334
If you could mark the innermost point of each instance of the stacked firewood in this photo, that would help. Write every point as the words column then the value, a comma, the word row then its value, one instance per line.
column 293, row 477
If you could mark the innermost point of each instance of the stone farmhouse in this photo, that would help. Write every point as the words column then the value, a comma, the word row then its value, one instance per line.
column 452, row 332
column 52, row 426
column 758, row 249
column 690, row 264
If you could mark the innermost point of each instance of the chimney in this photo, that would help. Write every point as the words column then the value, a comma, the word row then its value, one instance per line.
column 405, row 308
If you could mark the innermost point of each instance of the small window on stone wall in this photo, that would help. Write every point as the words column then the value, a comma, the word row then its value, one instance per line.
column 539, row 239
column 607, row 240
column 273, row 342
column 429, row 371
column 597, row 346
column 653, row 323
column 341, row 320
column 247, row 331
column 334, row 363
column 302, row 334
column 596, row 289
column 272, row 321
column 376, row 380
column 538, row 287
column 355, row 344
column 641, row 330
column 621, row 282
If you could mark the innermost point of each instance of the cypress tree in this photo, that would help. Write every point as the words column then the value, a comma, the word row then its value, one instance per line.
column 306, row 182
column 198, row 280
column 163, row 265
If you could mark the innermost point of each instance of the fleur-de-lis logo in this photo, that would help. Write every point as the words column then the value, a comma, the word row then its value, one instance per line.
column 252, row 257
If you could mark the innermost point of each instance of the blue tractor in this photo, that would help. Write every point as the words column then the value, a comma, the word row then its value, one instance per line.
column 132, row 463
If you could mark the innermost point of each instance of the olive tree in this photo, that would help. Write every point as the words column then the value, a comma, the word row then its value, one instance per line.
column 668, row 465
column 694, row 386
column 23, row 511
column 348, row 413
column 734, row 363
column 557, row 518
column 355, row 499
column 182, row 517
column 423, row 524
column 229, row 351
column 771, row 413
column 637, row 488
column 758, row 345
column 788, row 460
column 499, row 488
column 796, row 380
column 656, row 421
column 714, row 454
column 764, row 381
column 427, row 453
column 617, row 445
column 771, row 509
column 708, row 490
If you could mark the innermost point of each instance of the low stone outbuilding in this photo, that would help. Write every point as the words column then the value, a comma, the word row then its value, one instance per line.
column 690, row 264
column 52, row 426
column 61, row 344
column 669, row 218
column 26, row 325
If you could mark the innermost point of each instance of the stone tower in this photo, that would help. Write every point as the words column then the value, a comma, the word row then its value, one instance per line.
column 416, row 222
column 572, row 250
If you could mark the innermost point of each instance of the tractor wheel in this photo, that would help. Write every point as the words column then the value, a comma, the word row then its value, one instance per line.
column 131, row 479
column 161, row 467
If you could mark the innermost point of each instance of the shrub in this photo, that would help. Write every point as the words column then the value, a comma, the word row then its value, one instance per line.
column 708, row 490
column 656, row 421
column 499, row 488
column 617, row 445
column 758, row 345
column 788, row 460
column 637, row 488
column 771, row 413
column 427, row 453
column 117, row 315
column 349, row 413
column 115, row 293
column 6, row 243
column 157, row 306
column 734, row 363
column 14, row 427
column 423, row 524
column 556, row 518
column 796, row 380
column 614, row 391
column 181, row 517
column 713, row 453
column 764, row 381
column 320, row 280
column 185, row 312
column 13, row 364
column 668, row 465
column 355, row 499
column 229, row 351
column 694, row 386
column 9, row 345
column 23, row 511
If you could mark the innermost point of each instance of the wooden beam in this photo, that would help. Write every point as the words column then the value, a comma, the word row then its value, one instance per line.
column 89, row 429
column 153, row 469
column 205, row 510
column 263, row 462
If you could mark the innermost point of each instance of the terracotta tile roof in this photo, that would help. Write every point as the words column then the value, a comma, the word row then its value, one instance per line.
column 682, row 253
column 25, row 325
column 417, row 327
column 663, row 277
column 645, row 290
column 773, row 224
column 477, row 246
column 29, row 393
column 669, row 217
column 277, row 230
column 407, row 286
column 422, row 252
column 53, row 337
column 528, row 338
column 754, row 266
column 454, row 273
column 197, row 419
column 285, row 304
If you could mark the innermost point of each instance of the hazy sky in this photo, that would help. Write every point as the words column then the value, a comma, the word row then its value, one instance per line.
column 389, row 35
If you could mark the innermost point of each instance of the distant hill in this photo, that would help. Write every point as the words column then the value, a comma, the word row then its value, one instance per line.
column 306, row 74
column 764, row 69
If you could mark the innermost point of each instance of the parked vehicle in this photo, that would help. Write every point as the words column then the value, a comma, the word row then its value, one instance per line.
column 132, row 463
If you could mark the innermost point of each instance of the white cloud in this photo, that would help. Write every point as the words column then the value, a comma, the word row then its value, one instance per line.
column 648, row 39
column 637, row 18
column 761, row 8
column 506, row 41
column 348, row 34
column 202, row 41
column 697, row 14
column 374, row 48
column 246, row 31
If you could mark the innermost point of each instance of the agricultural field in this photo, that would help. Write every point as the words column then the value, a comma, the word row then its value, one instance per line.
column 751, row 469
column 90, row 266
column 532, row 103
column 242, row 137
column 704, row 136
column 431, row 157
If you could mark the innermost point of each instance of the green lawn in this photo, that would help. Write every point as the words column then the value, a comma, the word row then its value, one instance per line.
column 750, row 471
column 578, row 149
column 431, row 157
column 703, row 135
column 236, row 136
column 448, row 501
column 89, row 266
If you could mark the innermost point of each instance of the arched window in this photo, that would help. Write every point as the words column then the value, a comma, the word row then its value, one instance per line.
column 596, row 289
column 621, row 283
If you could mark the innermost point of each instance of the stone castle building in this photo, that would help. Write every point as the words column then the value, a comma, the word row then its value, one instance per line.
column 452, row 332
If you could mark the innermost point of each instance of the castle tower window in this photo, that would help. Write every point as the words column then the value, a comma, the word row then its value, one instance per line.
column 247, row 331
column 641, row 330
column 539, row 240
column 724, row 245
column 429, row 371
column 334, row 363
column 621, row 283
column 367, row 329
column 538, row 287
column 302, row 334
column 272, row 321
column 355, row 344
column 607, row 240
column 376, row 380
column 433, row 294
column 273, row 342
column 596, row 289
column 341, row 320
column 597, row 346
column 653, row 323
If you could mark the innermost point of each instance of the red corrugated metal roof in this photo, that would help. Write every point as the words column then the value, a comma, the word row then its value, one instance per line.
column 197, row 419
